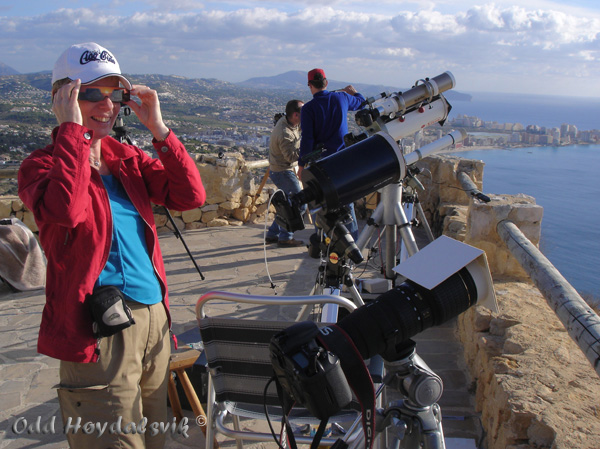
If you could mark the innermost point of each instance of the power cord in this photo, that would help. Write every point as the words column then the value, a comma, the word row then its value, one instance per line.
column 273, row 285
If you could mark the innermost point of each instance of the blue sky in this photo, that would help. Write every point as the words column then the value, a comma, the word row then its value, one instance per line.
column 531, row 46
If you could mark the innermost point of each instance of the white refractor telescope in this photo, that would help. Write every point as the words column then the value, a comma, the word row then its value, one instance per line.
column 403, row 114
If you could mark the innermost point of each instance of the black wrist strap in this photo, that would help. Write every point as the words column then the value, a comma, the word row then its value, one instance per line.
column 286, row 437
column 334, row 339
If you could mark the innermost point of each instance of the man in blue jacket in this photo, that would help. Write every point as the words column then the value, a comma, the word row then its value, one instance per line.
column 324, row 123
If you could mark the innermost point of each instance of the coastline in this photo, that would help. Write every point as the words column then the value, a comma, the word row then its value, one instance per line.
column 514, row 147
column 481, row 147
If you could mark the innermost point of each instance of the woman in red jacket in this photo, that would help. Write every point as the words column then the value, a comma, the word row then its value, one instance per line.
column 91, row 197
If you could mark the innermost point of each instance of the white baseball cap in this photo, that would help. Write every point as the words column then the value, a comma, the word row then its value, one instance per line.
column 88, row 62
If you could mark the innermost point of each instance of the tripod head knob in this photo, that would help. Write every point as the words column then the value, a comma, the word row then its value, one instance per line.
column 415, row 380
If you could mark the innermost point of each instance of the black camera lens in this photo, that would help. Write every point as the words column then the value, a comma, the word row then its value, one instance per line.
column 385, row 324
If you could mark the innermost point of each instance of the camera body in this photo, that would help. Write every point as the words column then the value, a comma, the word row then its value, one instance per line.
column 277, row 117
column 310, row 374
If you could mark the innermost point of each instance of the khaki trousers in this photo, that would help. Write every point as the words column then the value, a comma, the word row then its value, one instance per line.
column 106, row 404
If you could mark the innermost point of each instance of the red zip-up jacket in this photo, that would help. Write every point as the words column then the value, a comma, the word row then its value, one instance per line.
column 72, row 211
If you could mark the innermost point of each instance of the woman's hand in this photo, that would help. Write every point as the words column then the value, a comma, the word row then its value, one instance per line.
column 148, row 112
column 65, row 105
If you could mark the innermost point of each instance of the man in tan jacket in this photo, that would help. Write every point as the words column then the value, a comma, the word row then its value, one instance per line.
column 283, row 158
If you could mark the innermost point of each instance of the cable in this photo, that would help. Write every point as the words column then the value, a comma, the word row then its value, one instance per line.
column 273, row 286
column 272, row 379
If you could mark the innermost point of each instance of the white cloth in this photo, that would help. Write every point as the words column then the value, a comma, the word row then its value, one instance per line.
column 22, row 262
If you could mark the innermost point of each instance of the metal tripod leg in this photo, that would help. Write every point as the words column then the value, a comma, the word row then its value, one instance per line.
column 424, row 220
column 390, row 213
column 180, row 237
column 367, row 232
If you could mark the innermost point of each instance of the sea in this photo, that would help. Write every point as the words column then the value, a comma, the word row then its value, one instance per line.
column 564, row 180
column 549, row 111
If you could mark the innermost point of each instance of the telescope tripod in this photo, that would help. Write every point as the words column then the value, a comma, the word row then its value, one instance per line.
column 391, row 212
column 333, row 275
column 397, row 202
column 415, row 421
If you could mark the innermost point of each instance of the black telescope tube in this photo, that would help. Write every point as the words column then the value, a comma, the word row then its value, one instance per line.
column 353, row 172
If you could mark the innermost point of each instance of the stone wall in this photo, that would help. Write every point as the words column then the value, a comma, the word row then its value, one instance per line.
column 231, row 185
column 12, row 206
column 452, row 212
column 534, row 386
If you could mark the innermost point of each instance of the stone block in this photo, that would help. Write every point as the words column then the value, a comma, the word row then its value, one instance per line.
column 217, row 222
column 5, row 208
column 190, row 216
column 482, row 319
column 261, row 209
column 160, row 220
column 246, row 201
column 209, row 216
column 195, row 225
column 210, row 208
column 178, row 222
column 455, row 227
column 229, row 206
column 29, row 221
column 241, row 214
column 263, row 197
column 17, row 205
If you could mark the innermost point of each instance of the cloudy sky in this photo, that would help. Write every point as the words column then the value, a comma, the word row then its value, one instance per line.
column 540, row 47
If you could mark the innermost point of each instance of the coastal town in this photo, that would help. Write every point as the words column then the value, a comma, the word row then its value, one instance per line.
column 213, row 116
column 492, row 133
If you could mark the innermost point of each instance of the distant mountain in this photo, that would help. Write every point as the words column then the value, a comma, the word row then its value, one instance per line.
column 292, row 80
column 295, row 80
column 7, row 70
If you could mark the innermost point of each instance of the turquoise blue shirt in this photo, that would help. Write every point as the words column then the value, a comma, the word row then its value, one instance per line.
column 129, row 266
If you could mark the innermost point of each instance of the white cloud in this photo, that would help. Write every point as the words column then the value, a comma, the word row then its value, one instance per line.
column 499, row 42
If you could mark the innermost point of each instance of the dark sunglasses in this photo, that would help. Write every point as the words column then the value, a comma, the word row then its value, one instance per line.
column 96, row 94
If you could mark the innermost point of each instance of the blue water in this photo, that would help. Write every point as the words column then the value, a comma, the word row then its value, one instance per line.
column 565, row 182
column 548, row 111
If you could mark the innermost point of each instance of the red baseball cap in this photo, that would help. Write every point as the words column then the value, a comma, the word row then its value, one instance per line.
column 312, row 75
